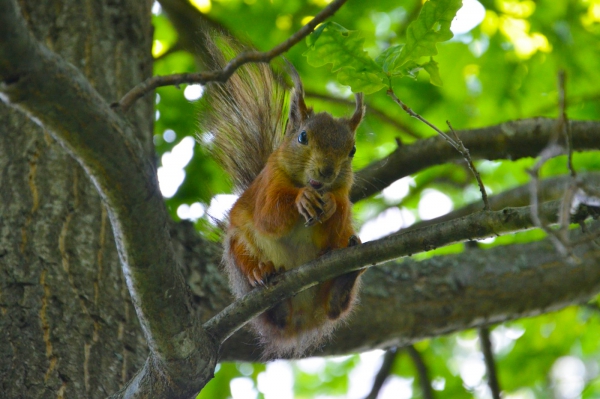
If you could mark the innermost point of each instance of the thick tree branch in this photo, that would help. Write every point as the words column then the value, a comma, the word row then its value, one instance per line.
column 509, row 140
column 406, row 301
column 479, row 225
column 222, row 75
column 57, row 96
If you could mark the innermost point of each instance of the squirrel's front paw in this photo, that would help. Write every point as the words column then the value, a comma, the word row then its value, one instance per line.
column 329, row 207
column 315, row 207
column 262, row 274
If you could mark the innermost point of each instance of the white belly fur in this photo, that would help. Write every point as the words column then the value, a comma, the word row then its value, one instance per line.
column 293, row 250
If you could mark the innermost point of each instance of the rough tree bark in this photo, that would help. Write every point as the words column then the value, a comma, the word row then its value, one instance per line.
column 65, row 312
column 69, row 329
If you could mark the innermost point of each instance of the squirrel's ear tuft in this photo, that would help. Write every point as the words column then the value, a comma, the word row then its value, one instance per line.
column 359, row 112
column 299, row 112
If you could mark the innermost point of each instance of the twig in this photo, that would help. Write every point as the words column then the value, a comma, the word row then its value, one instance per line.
column 222, row 75
column 551, row 151
column 456, row 143
column 559, row 237
column 412, row 113
column 421, row 367
column 383, row 373
column 420, row 304
column 562, row 120
column 577, row 191
column 563, row 127
column 573, row 100
column 486, row 346
column 490, row 364
column 465, row 153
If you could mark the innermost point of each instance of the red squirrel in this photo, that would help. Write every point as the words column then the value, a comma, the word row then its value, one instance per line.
column 295, row 180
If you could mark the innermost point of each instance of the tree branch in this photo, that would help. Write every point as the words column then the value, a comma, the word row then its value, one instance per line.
column 424, row 380
column 509, row 140
column 335, row 263
column 464, row 151
column 383, row 373
column 407, row 301
column 222, row 75
column 57, row 96
column 490, row 364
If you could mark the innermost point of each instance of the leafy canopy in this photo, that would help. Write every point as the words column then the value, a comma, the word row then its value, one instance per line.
column 333, row 44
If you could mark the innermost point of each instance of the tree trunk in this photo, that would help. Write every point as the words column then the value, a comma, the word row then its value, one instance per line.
column 69, row 329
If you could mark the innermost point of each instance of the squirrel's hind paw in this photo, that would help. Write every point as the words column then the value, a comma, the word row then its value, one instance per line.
column 354, row 240
column 263, row 273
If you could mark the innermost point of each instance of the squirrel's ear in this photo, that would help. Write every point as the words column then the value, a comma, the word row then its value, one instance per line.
column 359, row 112
column 298, row 109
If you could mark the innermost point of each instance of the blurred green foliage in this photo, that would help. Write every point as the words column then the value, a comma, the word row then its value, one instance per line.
column 504, row 68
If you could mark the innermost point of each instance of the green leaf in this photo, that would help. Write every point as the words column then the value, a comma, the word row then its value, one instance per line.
column 410, row 69
column 388, row 57
column 365, row 82
column 434, row 73
column 432, row 26
column 336, row 45
column 313, row 37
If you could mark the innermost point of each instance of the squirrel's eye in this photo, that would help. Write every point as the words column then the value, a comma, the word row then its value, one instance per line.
column 353, row 151
column 303, row 138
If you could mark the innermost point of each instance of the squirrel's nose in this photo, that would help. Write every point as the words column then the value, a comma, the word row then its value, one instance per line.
column 326, row 171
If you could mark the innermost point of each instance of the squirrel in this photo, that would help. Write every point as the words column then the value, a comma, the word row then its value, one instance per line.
column 295, row 180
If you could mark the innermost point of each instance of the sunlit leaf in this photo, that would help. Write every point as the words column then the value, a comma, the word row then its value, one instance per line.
column 434, row 73
column 431, row 27
column 389, row 57
column 336, row 45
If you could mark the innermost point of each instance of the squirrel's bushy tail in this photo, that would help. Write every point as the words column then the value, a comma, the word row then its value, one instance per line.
column 244, row 117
